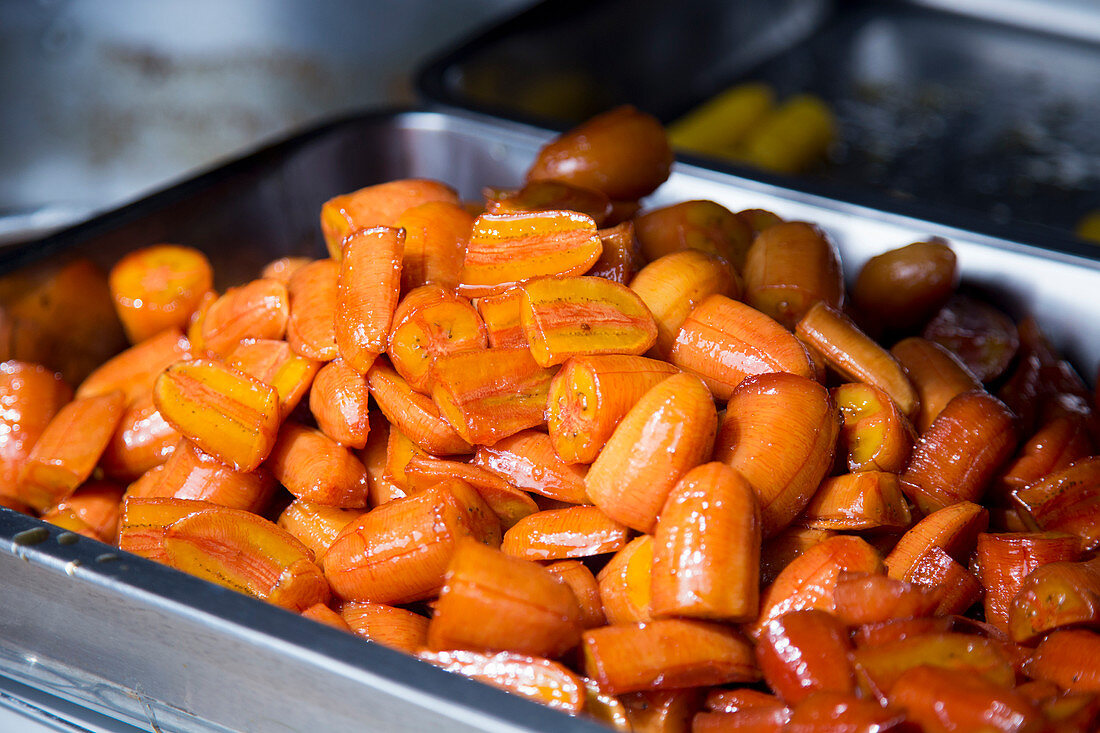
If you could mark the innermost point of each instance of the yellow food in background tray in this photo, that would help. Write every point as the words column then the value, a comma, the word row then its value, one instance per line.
column 720, row 125
column 744, row 124
column 1089, row 226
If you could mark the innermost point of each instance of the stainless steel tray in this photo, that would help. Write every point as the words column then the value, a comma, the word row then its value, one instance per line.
column 160, row 650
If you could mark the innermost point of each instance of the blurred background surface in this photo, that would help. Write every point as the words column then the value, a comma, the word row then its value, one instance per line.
column 102, row 100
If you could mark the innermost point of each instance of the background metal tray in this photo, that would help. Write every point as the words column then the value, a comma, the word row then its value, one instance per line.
column 161, row 650
column 989, row 108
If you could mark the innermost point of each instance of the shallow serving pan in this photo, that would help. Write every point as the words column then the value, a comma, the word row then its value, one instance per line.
column 127, row 638
column 989, row 108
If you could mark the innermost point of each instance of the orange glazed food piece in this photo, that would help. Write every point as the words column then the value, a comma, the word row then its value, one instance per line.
column 414, row 414
column 1057, row 444
column 30, row 396
column 428, row 322
column 673, row 285
column 583, row 583
column 667, row 654
column 507, row 502
column 903, row 288
column 398, row 552
column 823, row 712
column 661, row 711
column 1005, row 560
column 322, row 614
column 855, row 356
column 316, row 468
column 790, row 267
column 534, row 678
column 312, row 290
column 706, row 559
column 809, row 581
column 590, row 395
column 883, row 632
column 259, row 309
column 983, row 337
column 147, row 484
column 141, row 441
column 227, row 413
column 557, row 534
column 489, row 395
column 1055, row 595
column 759, row 219
column 367, row 291
column 436, row 233
column 1066, row 501
column 803, row 652
column 246, row 553
column 70, row 522
column 724, row 341
column 376, row 206
column 620, row 259
column 63, row 318
column 338, row 401
column 779, row 432
column 390, row 626
column 316, row 525
column 960, row 588
column 492, row 602
column 275, row 364
column 189, row 473
column 953, row 529
column 952, row 701
column 876, row 436
column 937, row 375
column 382, row 486
column 959, row 455
column 68, row 449
column 855, row 501
column 507, row 249
column 97, row 504
column 1069, row 659
column 198, row 321
column 699, row 226
column 144, row 522
column 501, row 314
column 669, row 431
column 870, row 599
column 579, row 316
column 399, row 453
column 723, row 700
column 625, row 583
column 880, row 667
column 158, row 287
column 527, row 460
column 623, row 152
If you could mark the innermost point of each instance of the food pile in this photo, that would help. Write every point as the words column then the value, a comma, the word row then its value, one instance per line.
column 657, row 467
